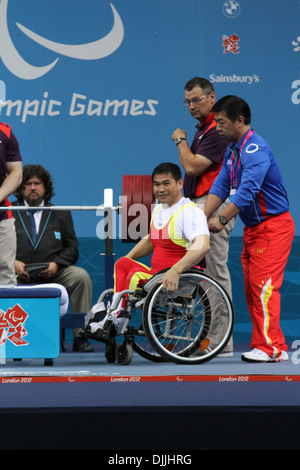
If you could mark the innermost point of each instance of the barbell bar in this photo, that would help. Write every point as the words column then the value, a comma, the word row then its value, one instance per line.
column 137, row 189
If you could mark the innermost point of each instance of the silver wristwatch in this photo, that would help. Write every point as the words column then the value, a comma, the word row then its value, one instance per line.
column 179, row 139
column 223, row 220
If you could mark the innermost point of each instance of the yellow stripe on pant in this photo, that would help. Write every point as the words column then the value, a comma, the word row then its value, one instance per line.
column 265, row 297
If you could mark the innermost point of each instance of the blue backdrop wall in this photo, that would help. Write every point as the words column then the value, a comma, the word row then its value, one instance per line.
column 93, row 90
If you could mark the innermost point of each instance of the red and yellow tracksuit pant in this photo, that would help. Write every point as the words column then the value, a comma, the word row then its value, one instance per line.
column 266, row 248
column 128, row 274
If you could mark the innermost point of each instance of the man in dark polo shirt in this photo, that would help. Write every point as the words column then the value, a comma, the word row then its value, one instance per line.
column 10, row 178
column 202, row 162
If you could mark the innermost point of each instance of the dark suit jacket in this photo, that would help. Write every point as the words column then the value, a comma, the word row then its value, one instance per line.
column 56, row 240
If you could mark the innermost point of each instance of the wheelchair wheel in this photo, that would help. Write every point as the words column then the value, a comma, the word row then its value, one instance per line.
column 124, row 354
column 134, row 334
column 110, row 351
column 142, row 347
column 140, row 342
column 181, row 325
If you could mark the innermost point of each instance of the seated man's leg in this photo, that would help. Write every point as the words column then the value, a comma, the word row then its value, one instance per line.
column 79, row 287
column 64, row 298
column 127, row 275
column 128, row 272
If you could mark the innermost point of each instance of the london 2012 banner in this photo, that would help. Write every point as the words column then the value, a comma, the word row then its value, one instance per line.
column 93, row 90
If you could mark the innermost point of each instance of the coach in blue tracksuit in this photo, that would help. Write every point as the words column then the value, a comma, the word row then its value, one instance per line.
column 251, row 178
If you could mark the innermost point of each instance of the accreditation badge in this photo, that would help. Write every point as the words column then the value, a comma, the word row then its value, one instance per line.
column 232, row 193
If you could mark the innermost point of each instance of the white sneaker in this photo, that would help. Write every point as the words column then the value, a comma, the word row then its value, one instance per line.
column 112, row 316
column 116, row 317
column 257, row 355
column 283, row 357
column 97, row 308
column 94, row 326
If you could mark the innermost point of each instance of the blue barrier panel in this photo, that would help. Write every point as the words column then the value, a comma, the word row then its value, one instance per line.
column 29, row 323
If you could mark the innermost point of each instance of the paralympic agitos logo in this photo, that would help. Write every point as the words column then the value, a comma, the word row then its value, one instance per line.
column 95, row 50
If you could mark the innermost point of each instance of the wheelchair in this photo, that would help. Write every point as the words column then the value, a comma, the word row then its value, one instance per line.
column 189, row 326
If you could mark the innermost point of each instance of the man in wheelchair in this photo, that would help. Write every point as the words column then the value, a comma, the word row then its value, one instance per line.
column 178, row 240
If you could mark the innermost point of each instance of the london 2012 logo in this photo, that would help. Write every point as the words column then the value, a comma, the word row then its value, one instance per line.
column 95, row 50
column 12, row 326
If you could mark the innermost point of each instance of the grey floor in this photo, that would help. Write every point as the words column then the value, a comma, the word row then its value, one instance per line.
column 82, row 402
column 87, row 379
column 95, row 365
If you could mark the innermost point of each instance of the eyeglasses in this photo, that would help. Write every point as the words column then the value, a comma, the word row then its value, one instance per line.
column 194, row 101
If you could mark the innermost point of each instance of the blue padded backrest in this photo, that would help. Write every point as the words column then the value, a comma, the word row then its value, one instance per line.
column 23, row 292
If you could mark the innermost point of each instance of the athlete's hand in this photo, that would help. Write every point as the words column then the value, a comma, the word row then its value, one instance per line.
column 170, row 280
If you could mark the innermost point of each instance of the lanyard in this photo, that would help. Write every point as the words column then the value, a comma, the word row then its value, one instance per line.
column 235, row 162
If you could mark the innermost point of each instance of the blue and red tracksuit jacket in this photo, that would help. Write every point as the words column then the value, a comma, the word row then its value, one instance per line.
column 260, row 191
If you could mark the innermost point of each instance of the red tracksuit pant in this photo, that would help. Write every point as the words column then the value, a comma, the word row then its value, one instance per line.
column 264, row 257
column 129, row 273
